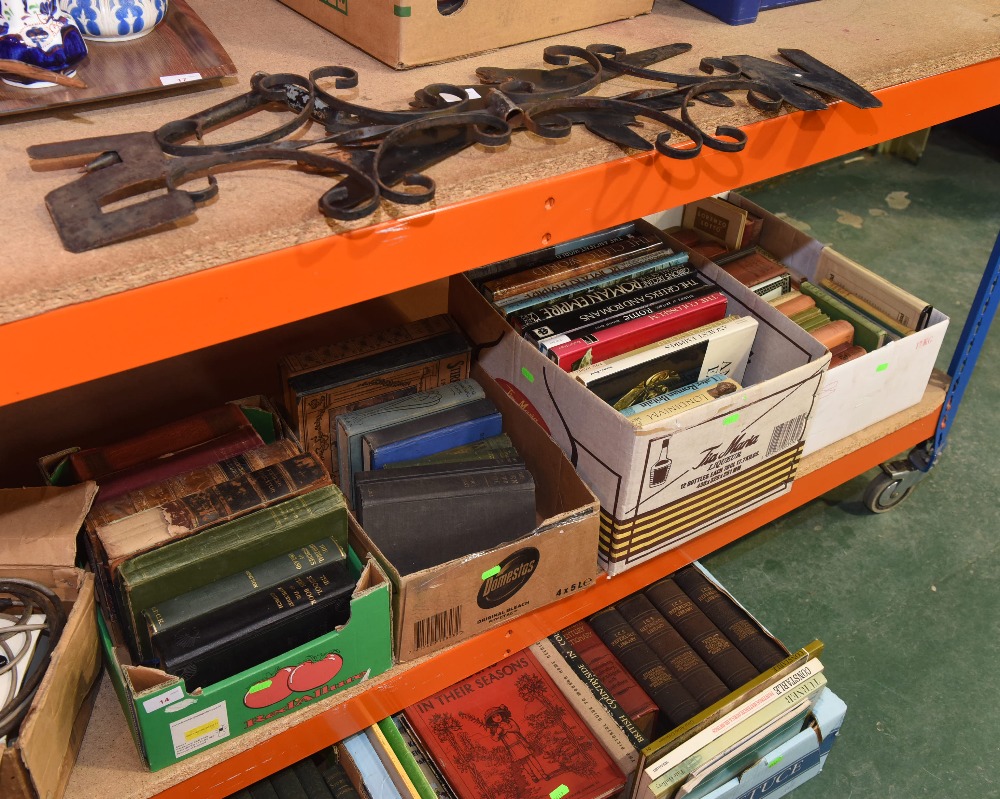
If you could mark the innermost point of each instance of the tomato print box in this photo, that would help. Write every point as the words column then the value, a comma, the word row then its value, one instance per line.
column 169, row 724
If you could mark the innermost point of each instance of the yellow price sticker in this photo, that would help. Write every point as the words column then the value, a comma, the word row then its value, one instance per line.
column 202, row 729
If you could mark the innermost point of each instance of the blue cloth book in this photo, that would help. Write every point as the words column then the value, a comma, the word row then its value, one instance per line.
column 427, row 435
column 351, row 427
column 373, row 773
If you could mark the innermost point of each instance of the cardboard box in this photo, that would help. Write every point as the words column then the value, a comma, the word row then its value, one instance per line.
column 789, row 765
column 726, row 457
column 408, row 33
column 38, row 528
column 169, row 724
column 861, row 392
column 484, row 590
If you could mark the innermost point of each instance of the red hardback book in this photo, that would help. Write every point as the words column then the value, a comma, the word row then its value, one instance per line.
column 640, row 331
column 622, row 685
column 507, row 732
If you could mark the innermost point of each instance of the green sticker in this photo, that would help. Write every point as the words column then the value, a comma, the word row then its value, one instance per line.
column 527, row 375
column 733, row 417
column 559, row 792
column 487, row 574
column 776, row 761
column 259, row 687
column 401, row 11
column 881, row 367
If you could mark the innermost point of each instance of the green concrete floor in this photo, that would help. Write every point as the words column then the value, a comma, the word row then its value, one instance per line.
column 907, row 602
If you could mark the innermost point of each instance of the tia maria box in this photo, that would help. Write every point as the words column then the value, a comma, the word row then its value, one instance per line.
column 666, row 483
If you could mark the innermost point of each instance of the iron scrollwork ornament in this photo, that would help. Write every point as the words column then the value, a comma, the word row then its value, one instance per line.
column 373, row 155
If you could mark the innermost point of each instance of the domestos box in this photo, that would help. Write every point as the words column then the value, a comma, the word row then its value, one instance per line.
column 669, row 481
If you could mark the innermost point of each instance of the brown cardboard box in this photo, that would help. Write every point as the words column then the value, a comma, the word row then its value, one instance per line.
column 466, row 596
column 38, row 528
column 408, row 33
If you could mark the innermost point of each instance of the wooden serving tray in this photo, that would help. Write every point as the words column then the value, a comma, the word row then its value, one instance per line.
column 181, row 49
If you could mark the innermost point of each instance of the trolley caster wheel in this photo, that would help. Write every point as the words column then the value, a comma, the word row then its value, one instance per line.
column 885, row 492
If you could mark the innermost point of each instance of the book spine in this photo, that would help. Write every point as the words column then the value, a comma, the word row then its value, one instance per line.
column 311, row 779
column 697, row 629
column 428, row 766
column 676, row 654
column 223, row 594
column 151, row 496
column 221, row 448
column 599, row 661
column 351, row 426
column 597, row 689
column 605, row 305
column 763, row 652
column 571, row 265
column 866, row 333
column 673, row 700
column 682, row 403
column 372, row 772
column 633, row 267
column 405, row 758
column 644, row 327
column 496, row 449
column 437, row 440
column 99, row 462
column 669, row 396
column 683, row 732
column 286, row 784
column 338, row 782
column 223, row 502
column 874, row 312
column 264, row 625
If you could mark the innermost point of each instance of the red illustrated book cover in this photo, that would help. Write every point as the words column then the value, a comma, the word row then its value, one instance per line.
column 507, row 732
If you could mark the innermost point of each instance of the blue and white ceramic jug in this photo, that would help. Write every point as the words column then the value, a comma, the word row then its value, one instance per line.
column 116, row 20
column 37, row 32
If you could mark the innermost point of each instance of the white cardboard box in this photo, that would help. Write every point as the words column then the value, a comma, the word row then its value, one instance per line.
column 726, row 457
column 861, row 392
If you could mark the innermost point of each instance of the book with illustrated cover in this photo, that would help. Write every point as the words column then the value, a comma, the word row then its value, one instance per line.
column 350, row 427
column 650, row 323
column 508, row 732
column 426, row 435
column 328, row 392
column 722, row 348
column 423, row 516
column 655, row 261
column 680, row 400
column 152, row 577
column 497, row 449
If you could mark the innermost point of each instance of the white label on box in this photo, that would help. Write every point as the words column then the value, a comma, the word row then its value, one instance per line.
column 200, row 729
column 168, row 698
column 170, row 80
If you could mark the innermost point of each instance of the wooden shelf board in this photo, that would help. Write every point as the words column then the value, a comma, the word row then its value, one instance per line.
column 109, row 758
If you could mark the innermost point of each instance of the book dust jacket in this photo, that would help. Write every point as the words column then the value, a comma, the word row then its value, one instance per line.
column 508, row 733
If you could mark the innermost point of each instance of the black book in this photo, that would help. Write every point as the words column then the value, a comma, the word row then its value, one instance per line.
column 264, row 625
column 423, row 516
column 287, row 784
column 312, row 780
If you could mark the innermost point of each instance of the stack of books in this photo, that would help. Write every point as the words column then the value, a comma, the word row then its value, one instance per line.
column 629, row 317
column 214, row 549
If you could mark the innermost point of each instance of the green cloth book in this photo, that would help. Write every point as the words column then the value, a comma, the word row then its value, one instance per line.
column 867, row 333
column 215, row 553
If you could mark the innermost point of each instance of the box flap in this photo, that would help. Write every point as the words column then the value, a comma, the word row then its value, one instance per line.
column 38, row 526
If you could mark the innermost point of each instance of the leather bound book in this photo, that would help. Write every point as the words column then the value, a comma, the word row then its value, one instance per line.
column 833, row 334
column 508, row 731
column 262, row 626
column 338, row 782
column 756, row 267
column 761, row 650
column 697, row 629
column 311, row 780
column 99, row 462
column 263, row 790
column 107, row 511
column 673, row 699
column 287, row 785
column 187, row 515
column 845, row 353
column 676, row 654
column 623, row 686
column 423, row 516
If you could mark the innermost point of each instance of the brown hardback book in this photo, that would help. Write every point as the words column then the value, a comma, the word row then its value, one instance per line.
column 698, row 630
column 507, row 731
column 615, row 677
column 845, row 353
column 187, row 515
column 793, row 302
column 673, row 699
column 834, row 333
column 755, row 268
column 677, row 655
column 317, row 397
column 571, row 265
column 761, row 650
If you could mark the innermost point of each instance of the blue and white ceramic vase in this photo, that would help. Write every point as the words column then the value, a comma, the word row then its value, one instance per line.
column 37, row 32
column 115, row 20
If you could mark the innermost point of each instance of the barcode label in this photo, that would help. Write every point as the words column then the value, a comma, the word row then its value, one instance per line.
column 439, row 627
column 786, row 434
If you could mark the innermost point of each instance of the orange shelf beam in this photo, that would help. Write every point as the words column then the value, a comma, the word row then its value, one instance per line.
column 416, row 681
column 82, row 342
